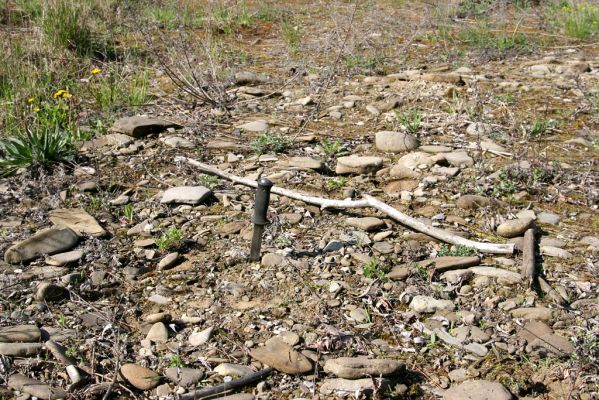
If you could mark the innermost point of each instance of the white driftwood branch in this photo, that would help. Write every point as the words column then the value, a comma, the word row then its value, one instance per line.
column 366, row 201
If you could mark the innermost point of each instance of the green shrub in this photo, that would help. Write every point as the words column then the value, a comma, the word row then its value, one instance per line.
column 410, row 119
column 171, row 239
column 267, row 143
column 579, row 20
column 35, row 147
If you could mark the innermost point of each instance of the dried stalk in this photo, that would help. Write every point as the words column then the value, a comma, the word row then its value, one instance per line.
column 528, row 257
column 367, row 201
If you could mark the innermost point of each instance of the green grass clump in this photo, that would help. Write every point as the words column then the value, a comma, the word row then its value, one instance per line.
column 35, row 148
column 291, row 35
column 268, row 143
column 373, row 270
column 579, row 20
column 410, row 119
column 169, row 240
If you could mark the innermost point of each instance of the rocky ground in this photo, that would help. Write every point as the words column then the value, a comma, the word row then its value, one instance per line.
column 128, row 273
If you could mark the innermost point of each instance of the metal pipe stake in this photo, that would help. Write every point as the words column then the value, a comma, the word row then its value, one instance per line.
column 259, row 219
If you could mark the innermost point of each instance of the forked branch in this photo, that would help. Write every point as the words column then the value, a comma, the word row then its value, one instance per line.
column 366, row 201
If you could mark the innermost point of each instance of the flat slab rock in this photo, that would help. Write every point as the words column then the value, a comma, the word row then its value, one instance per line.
column 367, row 224
column 358, row 164
column 35, row 388
column 78, row 220
column 139, row 126
column 346, row 387
column 478, row 390
column 140, row 377
column 282, row 357
column 20, row 333
column 192, row 195
column 361, row 367
column 427, row 304
column 61, row 259
column 45, row 241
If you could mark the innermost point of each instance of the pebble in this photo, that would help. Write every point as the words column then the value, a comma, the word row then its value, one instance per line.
column 395, row 142
column 358, row 165
column 35, row 388
column 185, row 377
column 229, row 369
column 140, row 126
column 479, row 390
column 361, row 367
column 64, row 258
column 158, row 333
column 20, row 349
column 427, row 304
column 140, row 377
column 474, row 201
column 20, row 333
column 551, row 343
column 201, row 337
column 552, row 251
column 78, row 220
column 255, row 126
column 347, row 387
column 538, row 313
column 46, row 241
column 548, row 218
column 514, row 227
column 282, row 357
column 168, row 261
column 367, row 224
column 192, row 195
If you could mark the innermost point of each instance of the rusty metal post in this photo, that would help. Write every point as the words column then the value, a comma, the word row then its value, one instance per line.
column 259, row 219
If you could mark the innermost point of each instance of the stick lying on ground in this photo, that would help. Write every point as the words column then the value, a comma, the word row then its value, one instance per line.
column 227, row 386
column 528, row 257
column 366, row 201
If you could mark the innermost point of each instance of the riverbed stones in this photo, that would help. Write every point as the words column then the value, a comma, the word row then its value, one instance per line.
column 35, row 388
column 20, row 349
column 367, row 224
column 395, row 142
column 259, row 125
column 514, row 227
column 158, row 333
column 532, row 313
column 282, row 357
column 140, row 126
column 50, row 292
column 140, row 377
column 474, row 201
column 229, row 369
column 46, row 241
column 345, row 387
column 192, row 195
column 185, row 377
column 67, row 258
column 361, row 367
column 478, row 390
column 78, row 220
column 168, row 261
column 20, row 333
column 358, row 164
column 428, row 304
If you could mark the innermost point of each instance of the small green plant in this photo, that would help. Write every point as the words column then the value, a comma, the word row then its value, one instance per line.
column 291, row 35
column 579, row 19
column 170, row 239
column 71, row 351
column 457, row 251
column 209, row 181
column 373, row 270
column 62, row 320
column 336, row 183
column 176, row 362
column 432, row 341
column 331, row 148
column 128, row 212
column 97, row 203
column 35, row 148
column 539, row 127
column 410, row 119
column 267, row 143
column 422, row 271
column 138, row 89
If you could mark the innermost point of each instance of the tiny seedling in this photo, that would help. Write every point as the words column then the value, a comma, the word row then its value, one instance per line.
column 170, row 239
column 176, row 362
column 336, row 183
column 208, row 181
column 410, row 119
column 267, row 143
column 128, row 212
column 373, row 270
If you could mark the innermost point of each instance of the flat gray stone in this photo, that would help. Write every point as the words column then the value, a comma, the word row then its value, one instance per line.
column 473, row 202
column 168, row 261
column 20, row 349
column 20, row 333
column 46, row 241
column 178, row 142
column 282, row 357
column 347, row 387
column 514, row 227
column 427, row 304
column 478, row 390
column 140, row 377
column 229, row 369
column 362, row 367
column 61, row 259
column 35, row 388
column 192, row 195
column 395, row 142
column 367, row 224
column 158, row 333
column 185, row 377
column 533, row 313
column 255, row 126
column 459, row 159
column 139, row 126
column 78, row 220
column 358, row 164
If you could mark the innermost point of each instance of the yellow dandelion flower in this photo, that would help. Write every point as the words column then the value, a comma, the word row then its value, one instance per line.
column 31, row 100
column 96, row 71
column 59, row 93
column 36, row 109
